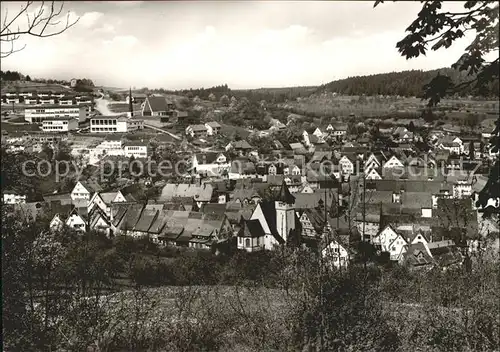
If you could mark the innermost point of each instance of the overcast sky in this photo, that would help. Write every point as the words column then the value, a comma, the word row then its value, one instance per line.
column 178, row 45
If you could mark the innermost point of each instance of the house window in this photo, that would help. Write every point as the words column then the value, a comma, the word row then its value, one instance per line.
column 247, row 242
column 258, row 240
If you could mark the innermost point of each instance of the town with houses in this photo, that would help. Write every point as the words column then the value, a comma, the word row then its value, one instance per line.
column 250, row 176
column 413, row 199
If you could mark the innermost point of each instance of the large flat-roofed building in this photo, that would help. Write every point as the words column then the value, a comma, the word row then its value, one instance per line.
column 136, row 149
column 54, row 124
column 36, row 114
column 107, row 124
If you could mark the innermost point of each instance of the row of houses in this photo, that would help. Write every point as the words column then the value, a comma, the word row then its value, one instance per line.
column 45, row 98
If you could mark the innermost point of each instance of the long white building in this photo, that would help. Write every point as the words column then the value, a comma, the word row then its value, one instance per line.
column 37, row 114
column 107, row 124
column 55, row 124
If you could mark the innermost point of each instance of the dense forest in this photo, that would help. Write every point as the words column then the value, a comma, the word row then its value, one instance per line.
column 405, row 83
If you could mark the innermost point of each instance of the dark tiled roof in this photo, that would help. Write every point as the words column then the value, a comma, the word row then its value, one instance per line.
column 157, row 103
column 148, row 216
column 251, row 228
column 242, row 144
column 284, row 194
column 214, row 208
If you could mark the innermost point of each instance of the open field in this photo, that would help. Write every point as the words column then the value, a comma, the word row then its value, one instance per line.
column 19, row 128
column 330, row 105
column 7, row 86
column 122, row 107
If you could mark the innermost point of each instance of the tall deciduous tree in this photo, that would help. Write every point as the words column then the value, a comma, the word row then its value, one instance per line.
column 435, row 29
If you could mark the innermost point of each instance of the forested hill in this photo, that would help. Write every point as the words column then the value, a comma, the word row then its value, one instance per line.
column 405, row 83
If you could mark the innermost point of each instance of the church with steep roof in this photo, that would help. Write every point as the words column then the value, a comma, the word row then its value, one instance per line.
column 270, row 224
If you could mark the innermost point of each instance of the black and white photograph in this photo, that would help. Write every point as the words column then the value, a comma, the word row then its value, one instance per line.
column 250, row 176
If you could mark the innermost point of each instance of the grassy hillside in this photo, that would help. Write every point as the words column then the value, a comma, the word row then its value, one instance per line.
column 14, row 85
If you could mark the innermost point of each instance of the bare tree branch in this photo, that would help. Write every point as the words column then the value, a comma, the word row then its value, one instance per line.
column 37, row 26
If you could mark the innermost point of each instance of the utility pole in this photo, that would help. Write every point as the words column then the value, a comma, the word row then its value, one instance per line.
column 364, row 205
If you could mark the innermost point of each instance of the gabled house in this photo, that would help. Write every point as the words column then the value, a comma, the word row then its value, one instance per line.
column 371, row 163
column 372, row 174
column 197, row 131
column 317, row 132
column 339, row 131
column 393, row 162
column 212, row 164
column 157, row 106
column 346, row 165
column 199, row 193
column 246, row 196
column 333, row 251
column 104, row 201
column 83, row 190
column 251, row 236
column 388, row 240
column 312, row 221
column 73, row 220
column 417, row 256
column 99, row 221
column 213, row 128
column 241, row 146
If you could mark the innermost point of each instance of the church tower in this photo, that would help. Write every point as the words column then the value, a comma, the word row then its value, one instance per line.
column 130, row 106
column 285, row 212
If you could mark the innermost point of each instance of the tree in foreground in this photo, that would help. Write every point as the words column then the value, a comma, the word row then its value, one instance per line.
column 42, row 22
column 435, row 29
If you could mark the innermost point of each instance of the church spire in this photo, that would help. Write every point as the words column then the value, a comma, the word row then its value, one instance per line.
column 284, row 194
column 130, row 107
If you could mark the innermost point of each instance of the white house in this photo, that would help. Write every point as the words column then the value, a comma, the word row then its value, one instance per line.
column 31, row 100
column 372, row 174
column 346, row 165
column 47, row 101
column 213, row 128
column 371, row 163
column 137, row 149
column 73, row 220
column 210, row 163
column 462, row 189
column 110, row 146
column 12, row 198
column 84, row 190
column 339, row 130
column 197, row 131
column 305, row 138
column 104, row 200
column 317, row 132
column 251, row 236
column 76, row 221
column 393, row 162
column 390, row 241
column 335, row 254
